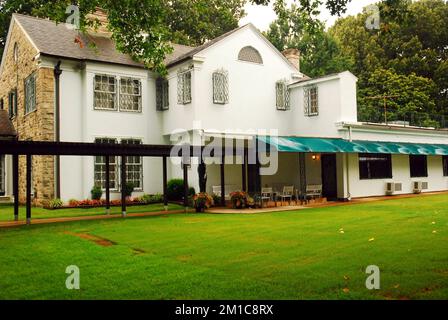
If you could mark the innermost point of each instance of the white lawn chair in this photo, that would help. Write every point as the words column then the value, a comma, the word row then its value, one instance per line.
column 313, row 191
column 267, row 194
column 216, row 190
column 288, row 193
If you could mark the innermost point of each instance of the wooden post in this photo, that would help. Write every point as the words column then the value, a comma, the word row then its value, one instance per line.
column 15, row 182
column 244, row 170
column 302, row 173
column 165, row 182
column 28, row 188
column 107, row 185
column 185, row 167
column 223, row 191
column 123, row 186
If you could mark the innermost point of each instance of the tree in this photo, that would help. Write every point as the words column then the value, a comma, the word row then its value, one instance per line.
column 411, row 42
column 142, row 29
column 295, row 28
column 336, row 7
column 412, row 98
column 193, row 22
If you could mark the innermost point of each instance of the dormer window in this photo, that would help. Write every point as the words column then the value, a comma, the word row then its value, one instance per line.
column 250, row 54
column 221, row 87
column 162, row 94
column 282, row 95
column 184, row 87
column 311, row 101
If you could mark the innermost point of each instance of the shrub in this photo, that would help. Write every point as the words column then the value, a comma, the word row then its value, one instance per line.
column 202, row 201
column 191, row 192
column 239, row 199
column 216, row 199
column 128, row 189
column 73, row 203
column 157, row 198
column 97, row 193
column 175, row 189
column 146, row 199
column 55, row 204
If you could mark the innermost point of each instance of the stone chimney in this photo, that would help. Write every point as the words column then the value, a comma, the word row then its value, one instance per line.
column 293, row 55
column 101, row 16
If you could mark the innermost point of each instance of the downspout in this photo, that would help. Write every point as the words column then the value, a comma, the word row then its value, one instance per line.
column 57, row 75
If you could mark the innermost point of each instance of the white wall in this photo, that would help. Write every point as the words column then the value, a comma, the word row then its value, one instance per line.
column 401, row 174
column 81, row 123
column 252, row 102
column 336, row 101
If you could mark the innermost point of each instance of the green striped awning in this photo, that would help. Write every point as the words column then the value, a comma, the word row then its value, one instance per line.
column 324, row 145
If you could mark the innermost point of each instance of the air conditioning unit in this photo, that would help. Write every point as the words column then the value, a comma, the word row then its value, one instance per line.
column 419, row 186
column 392, row 187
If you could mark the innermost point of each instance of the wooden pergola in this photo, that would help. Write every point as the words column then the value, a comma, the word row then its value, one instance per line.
column 40, row 148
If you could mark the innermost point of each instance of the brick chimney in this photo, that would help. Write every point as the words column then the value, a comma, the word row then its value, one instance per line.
column 101, row 16
column 293, row 55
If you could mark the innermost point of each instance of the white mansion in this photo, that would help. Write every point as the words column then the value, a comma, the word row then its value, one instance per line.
column 232, row 84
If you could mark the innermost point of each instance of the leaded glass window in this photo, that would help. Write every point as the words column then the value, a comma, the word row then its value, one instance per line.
column 12, row 103
column 282, row 95
column 30, row 93
column 220, row 87
column 311, row 102
column 250, row 54
column 184, row 87
column 100, row 167
column 162, row 94
column 105, row 92
column 134, row 166
column 130, row 94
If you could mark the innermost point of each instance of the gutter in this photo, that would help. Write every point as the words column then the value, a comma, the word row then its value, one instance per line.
column 57, row 76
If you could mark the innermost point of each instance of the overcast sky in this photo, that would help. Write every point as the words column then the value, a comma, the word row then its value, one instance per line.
column 262, row 16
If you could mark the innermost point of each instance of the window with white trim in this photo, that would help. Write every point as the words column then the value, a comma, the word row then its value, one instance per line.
column 311, row 103
column 134, row 166
column 100, row 167
column 220, row 87
column 184, row 87
column 162, row 94
column 30, row 93
column 130, row 94
column 105, row 92
column 282, row 95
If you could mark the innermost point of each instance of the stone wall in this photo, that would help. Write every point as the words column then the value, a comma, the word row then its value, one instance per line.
column 37, row 125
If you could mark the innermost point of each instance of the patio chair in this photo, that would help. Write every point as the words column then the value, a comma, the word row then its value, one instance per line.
column 313, row 191
column 216, row 190
column 288, row 193
column 267, row 194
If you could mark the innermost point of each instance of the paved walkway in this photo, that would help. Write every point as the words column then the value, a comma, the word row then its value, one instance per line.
column 11, row 224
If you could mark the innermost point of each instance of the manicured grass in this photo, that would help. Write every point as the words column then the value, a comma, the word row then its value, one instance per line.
column 7, row 211
column 288, row 255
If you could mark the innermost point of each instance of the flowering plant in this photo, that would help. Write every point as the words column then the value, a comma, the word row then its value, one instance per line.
column 239, row 199
column 202, row 201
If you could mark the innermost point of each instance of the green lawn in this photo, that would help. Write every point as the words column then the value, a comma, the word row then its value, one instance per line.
column 7, row 211
column 289, row 255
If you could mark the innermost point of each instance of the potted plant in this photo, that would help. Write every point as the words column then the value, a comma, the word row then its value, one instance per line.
column 202, row 201
column 239, row 199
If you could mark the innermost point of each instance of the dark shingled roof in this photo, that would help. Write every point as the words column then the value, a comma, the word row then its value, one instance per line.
column 59, row 40
column 6, row 127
